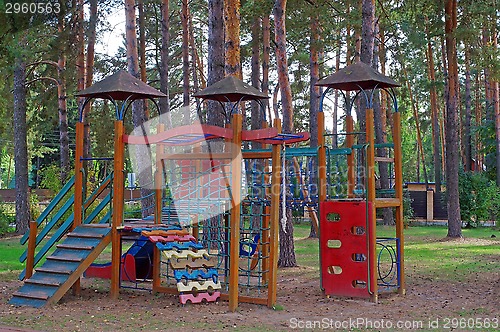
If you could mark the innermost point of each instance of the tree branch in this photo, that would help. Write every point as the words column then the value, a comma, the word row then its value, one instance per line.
column 42, row 78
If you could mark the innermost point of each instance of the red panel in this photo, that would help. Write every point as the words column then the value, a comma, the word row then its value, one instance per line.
column 350, row 218
column 103, row 271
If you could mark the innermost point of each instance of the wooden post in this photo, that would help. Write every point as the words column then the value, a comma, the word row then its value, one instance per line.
column 30, row 258
column 372, row 230
column 351, row 172
column 118, row 199
column 429, row 205
column 159, row 178
column 275, row 220
column 234, row 244
column 321, row 157
column 195, row 230
column 78, row 205
column 398, row 184
column 266, row 234
column 158, row 209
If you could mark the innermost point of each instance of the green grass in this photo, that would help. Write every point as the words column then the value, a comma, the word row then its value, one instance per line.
column 11, row 250
column 427, row 250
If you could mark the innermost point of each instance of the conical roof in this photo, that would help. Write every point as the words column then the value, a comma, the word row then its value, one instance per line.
column 120, row 86
column 356, row 77
column 231, row 89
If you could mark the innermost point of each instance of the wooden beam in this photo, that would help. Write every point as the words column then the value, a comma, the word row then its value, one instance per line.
column 118, row 200
column 30, row 258
column 387, row 202
column 275, row 220
column 79, row 194
column 384, row 159
column 372, row 235
column 78, row 206
column 398, row 184
column 166, row 290
column 266, row 236
column 195, row 156
column 158, row 209
column 257, row 155
column 246, row 299
column 234, row 244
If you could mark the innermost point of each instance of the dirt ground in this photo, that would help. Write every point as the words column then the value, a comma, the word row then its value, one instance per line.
column 431, row 304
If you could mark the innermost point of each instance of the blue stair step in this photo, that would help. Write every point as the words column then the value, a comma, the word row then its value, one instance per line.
column 70, row 255
column 35, row 291
column 49, row 279
column 79, row 243
column 61, row 269
column 24, row 301
column 88, row 231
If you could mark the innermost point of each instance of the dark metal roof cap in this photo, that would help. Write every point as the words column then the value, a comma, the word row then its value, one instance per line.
column 120, row 86
column 230, row 89
column 358, row 76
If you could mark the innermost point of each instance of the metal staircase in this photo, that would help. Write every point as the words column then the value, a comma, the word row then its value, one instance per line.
column 64, row 266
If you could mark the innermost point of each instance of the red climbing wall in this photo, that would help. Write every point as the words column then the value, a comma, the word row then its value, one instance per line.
column 344, row 248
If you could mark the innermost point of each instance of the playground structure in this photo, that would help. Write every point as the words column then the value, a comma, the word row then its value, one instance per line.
column 212, row 230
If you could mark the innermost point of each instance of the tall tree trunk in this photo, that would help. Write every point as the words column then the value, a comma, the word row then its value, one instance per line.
column 496, row 106
column 142, row 49
column 478, row 116
column 256, row 116
column 216, row 60
column 314, row 95
column 467, row 144
column 194, row 59
column 442, row 119
column 21, row 147
column 144, row 177
column 266, row 51
column 366, row 56
column 335, row 113
column 257, row 119
column 62, row 106
column 80, row 69
column 380, row 134
column 185, row 62
column 232, row 37
column 215, row 64
column 434, row 117
column 417, row 125
column 164, row 67
column 88, row 65
column 452, row 120
column 367, row 31
column 89, row 68
column 91, row 40
column 287, row 247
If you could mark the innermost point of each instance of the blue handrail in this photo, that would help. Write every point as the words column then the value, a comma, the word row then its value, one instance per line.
column 65, row 189
column 66, row 225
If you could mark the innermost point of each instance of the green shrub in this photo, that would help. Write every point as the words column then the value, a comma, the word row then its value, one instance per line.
column 51, row 178
column 479, row 198
column 7, row 218
column 408, row 213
